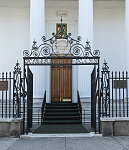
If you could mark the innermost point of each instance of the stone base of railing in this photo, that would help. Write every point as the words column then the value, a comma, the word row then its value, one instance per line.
column 115, row 126
column 11, row 127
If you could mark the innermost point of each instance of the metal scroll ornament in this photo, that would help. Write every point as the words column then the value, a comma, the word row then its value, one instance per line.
column 71, row 47
column 105, row 89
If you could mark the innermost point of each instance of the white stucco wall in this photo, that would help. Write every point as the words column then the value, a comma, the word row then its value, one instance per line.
column 14, row 35
column 109, row 33
column 108, row 37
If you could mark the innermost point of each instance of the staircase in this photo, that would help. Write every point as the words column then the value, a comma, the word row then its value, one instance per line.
column 62, row 113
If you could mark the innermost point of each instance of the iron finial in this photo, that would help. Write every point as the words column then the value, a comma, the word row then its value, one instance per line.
column 105, row 66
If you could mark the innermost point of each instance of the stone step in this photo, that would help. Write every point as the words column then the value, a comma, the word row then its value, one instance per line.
column 62, row 122
column 61, row 118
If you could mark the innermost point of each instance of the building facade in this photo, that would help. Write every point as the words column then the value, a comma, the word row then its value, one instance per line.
column 105, row 23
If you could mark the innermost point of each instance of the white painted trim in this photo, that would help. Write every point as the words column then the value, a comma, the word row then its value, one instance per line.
column 110, row 119
column 92, row 134
column 11, row 119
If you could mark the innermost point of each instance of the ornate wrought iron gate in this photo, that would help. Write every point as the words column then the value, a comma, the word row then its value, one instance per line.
column 29, row 98
column 72, row 49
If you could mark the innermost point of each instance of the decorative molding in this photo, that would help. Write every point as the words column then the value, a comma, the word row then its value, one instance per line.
column 61, row 13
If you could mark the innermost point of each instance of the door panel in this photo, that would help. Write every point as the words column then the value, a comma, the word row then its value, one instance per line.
column 66, row 85
column 55, row 85
column 61, row 80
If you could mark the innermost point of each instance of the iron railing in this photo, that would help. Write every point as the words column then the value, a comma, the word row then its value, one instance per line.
column 12, row 94
column 11, row 99
column 114, row 93
column 83, row 116
column 79, row 103
column 43, row 107
column 39, row 116
column 6, row 97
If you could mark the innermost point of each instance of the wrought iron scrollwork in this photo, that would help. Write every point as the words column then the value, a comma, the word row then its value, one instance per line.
column 73, row 48
column 105, row 89
column 61, row 47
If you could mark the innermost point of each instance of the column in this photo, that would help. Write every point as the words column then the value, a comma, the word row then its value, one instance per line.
column 85, row 20
column 37, row 30
column 37, row 20
column 85, row 30
column 127, row 33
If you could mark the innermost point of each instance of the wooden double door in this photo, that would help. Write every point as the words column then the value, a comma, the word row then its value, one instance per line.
column 61, row 80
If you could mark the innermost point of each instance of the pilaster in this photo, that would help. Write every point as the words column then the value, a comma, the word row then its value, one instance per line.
column 37, row 30
column 85, row 30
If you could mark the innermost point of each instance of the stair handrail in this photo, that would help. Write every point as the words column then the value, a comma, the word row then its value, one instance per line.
column 79, row 102
column 43, row 107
